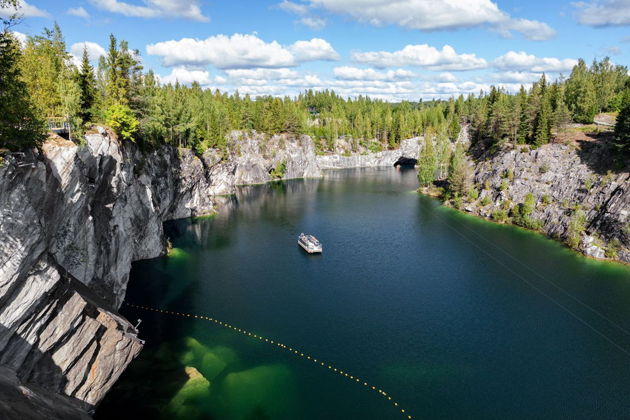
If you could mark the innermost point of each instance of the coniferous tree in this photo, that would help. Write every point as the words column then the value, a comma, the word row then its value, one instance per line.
column 562, row 115
column 580, row 94
column 458, row 176
column 427, row 163
column 87, row 85
column 523, row 124
column 542, row 127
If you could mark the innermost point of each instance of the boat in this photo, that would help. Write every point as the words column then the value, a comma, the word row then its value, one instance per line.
column 309, row 243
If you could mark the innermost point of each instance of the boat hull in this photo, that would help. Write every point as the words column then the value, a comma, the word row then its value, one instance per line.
column 310, row 250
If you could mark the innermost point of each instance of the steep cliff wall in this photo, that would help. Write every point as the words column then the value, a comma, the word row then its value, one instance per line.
column 409, row 148
column 72, row 220
column 580, row 194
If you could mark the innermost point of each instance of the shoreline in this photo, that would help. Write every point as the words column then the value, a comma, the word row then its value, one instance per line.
column 579, row 253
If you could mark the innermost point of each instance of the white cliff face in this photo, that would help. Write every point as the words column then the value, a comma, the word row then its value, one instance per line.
column 73, row 219
column 409, row 148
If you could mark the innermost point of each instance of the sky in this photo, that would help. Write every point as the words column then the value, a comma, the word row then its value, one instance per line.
column 389, row 49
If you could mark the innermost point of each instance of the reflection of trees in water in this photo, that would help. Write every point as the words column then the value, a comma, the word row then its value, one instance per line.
column 284, row 203
column 277, row 202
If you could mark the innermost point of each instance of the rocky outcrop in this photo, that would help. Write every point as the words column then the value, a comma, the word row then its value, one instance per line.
column 409, row 148
column 579, row 197
column 73, row 219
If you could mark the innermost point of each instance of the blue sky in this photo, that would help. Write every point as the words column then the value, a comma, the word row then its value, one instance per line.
column 391, row 49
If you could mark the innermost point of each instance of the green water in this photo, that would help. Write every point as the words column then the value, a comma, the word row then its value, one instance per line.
column 452, row 316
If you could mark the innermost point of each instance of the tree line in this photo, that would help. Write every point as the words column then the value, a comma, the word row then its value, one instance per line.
column 39, row 80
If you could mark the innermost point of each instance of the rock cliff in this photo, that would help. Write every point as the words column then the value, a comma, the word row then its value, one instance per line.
column 73, row 219
column 581, row 196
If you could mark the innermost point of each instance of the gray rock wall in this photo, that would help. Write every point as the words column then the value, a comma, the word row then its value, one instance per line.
column 409, row 148
column 564, row 181
column 74, row 218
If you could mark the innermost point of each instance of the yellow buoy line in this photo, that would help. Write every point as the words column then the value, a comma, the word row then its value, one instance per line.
column 292, row 350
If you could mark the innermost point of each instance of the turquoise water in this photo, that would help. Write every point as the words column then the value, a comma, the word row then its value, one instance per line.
column 452, row 316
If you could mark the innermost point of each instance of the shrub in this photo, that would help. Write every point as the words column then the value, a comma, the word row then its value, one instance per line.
column 612, row 249
column 278, row 171
column 577, row 225
column 457, row 202
column 485, row 201
column 546, row 199
column 473, row 194
column 121, row 119
column 504, row 185
column 500, row 216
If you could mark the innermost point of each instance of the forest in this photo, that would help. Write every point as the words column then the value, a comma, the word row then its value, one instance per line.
column 40, row 81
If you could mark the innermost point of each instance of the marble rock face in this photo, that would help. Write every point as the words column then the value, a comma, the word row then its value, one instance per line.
column 72, row 220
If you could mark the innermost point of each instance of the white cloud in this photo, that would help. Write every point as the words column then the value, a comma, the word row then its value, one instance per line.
column 521, row 61
column 24, row 9
column 354, row 73
column 447, row 77
column 94, row 50
column 431, row 15
column 262, row 74
column 313, row 50
column 188, row 9
column 291, row 7
column 603, row 13
column 424, row 56
column 79, row 12
column 21, row 37
column 531, row 29
column 240, row 51
column 523, row 77
column 315, row 23
column 186, row 77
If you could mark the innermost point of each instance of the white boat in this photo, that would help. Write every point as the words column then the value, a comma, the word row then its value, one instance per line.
column 309, row 243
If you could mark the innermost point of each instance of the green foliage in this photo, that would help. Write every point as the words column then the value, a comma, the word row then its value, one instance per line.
column 485, row 200
column 581, row 94
column 121, row 119
column 87, row 86
column 546, row 199
column 19, row 125
column 43, row 64
column 622, row 127
column 279, row 170
column 500, row 216
column 504, row 185
column 521, row 214
column 576, row 227
column 473, row 193
column 427, row 164
column 457, row 201
column 458, row 174
column 612, row 250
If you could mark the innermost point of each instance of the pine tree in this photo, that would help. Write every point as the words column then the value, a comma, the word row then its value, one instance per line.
column 523, row 125
column 542, row 128
column 454, row 127
column 581, row 95
column 427, row 163
column 458, row 176
column 87, row 85
column 562, row 115
column 19, row 126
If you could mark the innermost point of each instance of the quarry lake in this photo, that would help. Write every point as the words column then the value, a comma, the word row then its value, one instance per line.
column 451, row 316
